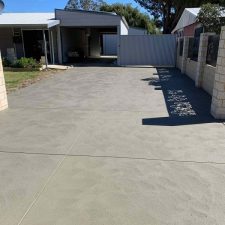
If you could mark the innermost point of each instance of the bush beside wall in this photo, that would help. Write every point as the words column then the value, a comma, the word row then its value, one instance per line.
column 23, row 63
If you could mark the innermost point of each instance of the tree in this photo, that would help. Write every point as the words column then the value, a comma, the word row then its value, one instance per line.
column 92, row 5
column 132, row 15
column 210, row 16
column 168, row 12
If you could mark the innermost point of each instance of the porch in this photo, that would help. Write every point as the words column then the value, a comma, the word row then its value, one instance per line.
column 29, row 35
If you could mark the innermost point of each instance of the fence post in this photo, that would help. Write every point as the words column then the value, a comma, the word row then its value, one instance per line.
column 185, row 55
column 202, row 54
column 3, row 95
column 218, row 98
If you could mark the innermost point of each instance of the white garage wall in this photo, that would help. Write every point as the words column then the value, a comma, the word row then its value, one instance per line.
column 123, row 28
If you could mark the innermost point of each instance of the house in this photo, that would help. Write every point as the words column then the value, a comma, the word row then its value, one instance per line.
column 188, row 24
column 62, row 37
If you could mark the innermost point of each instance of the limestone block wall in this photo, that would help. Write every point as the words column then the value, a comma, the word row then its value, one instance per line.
column 202, row 54
column 179, row 61
column 3, row 95
column 218, row 99
column 185, row 55
column 191, row 69
column 202, row 74
column 208, row 78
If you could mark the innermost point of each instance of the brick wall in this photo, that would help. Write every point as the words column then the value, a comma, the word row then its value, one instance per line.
column 190, row 30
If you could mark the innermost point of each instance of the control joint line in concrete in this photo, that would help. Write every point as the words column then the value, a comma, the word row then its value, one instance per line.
column 115, row 157
column 51, row 176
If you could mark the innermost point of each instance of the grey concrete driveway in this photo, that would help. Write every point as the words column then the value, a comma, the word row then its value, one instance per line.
column 111, row 146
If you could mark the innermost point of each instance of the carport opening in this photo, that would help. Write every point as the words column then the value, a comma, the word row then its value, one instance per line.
column 86, row 45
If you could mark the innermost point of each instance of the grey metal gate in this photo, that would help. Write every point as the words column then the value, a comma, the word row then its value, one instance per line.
column 156, row 50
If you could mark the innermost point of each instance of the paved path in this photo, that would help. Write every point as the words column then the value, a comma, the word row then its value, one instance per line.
column 111, row 146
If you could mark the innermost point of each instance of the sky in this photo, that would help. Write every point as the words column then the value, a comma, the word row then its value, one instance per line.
column 47, row 5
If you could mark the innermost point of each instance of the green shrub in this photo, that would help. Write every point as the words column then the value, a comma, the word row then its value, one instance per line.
column 6, row 62
column 211, row 17
column 28, row 63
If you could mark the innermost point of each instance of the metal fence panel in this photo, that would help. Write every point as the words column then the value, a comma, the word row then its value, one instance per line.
column 157, row 50
column 110, row 44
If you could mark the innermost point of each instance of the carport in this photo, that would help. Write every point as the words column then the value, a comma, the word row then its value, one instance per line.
column 80, row 33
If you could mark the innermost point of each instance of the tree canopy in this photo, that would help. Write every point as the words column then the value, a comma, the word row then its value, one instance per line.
column 132, row 15
column 168, row 12
column 210, row 16
column 84, row 4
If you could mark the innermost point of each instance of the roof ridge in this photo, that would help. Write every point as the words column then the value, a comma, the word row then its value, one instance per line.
column 27, row 12
column 89, row 11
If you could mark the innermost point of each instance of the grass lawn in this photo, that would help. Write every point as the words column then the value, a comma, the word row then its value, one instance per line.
column 16, row 80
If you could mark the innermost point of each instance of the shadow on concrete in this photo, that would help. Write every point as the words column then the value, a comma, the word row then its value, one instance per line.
column 185, row 103
column 96, row 62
